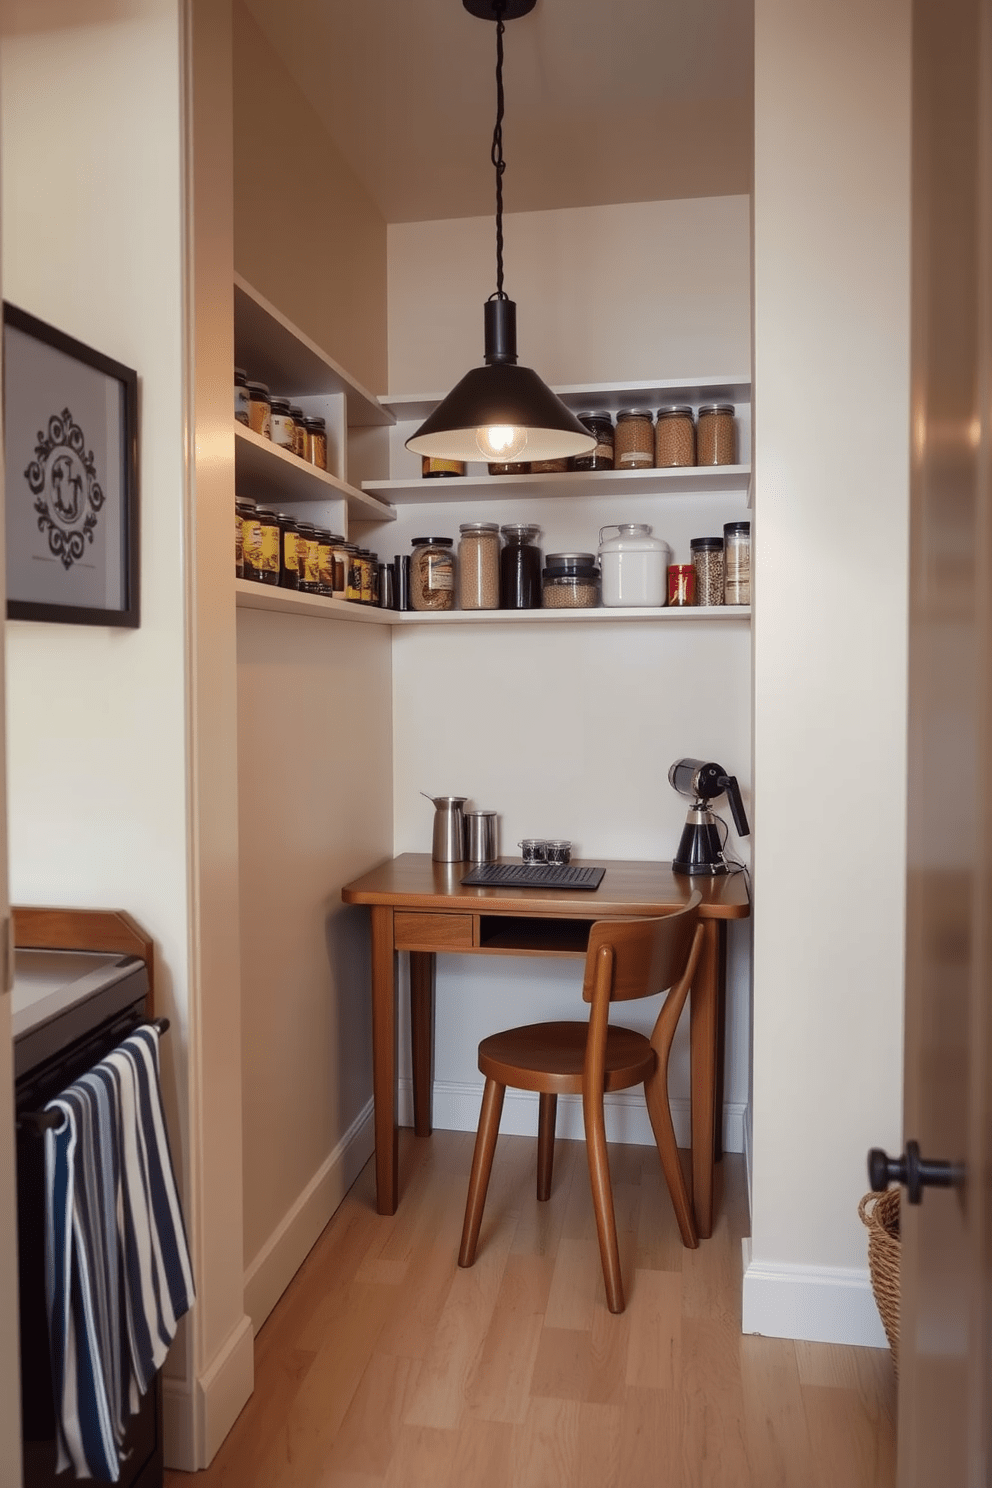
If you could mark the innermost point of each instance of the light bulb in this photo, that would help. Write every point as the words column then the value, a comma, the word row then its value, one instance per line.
column 501, row 442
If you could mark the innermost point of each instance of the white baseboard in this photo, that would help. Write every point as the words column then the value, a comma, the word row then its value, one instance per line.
column 198, row 1416
column 271, row 1271
column 824, row 1304
column 456, row 1108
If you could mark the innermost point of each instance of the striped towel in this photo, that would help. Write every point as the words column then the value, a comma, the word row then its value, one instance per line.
column 118, row 1274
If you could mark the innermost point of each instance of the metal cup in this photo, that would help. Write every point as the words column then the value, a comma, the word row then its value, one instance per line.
column 481, row 834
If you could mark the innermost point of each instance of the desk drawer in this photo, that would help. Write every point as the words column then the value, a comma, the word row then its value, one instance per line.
column 432, row 932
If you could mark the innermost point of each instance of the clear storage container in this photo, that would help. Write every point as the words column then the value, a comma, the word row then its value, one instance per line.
column 478, row 566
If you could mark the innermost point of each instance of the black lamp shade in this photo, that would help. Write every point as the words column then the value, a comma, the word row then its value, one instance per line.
column 501, row 394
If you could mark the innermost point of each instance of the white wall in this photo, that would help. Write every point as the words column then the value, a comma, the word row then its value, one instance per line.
column 604, row 294
column 570, row 730
column 113, row 802
column 315, row 779
column 831, row 246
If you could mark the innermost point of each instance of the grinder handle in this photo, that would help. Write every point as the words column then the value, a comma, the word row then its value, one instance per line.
column 736, row 805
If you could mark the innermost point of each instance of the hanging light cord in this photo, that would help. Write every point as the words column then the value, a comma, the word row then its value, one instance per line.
column 496, row 154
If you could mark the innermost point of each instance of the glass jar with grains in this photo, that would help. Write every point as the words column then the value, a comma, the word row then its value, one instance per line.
column 707, row 560
column 715, row 434
column 316, row 441
column 432, row 574
column 634, row 439
column 674, row 436
column 241, row 398
column 282, row 423
column 478, row 566
column 737, row 563
column 571, row 582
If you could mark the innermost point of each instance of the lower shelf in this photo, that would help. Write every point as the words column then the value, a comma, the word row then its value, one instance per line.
column 252, row 596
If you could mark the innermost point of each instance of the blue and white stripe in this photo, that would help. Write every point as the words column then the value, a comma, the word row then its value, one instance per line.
column 118, row 1273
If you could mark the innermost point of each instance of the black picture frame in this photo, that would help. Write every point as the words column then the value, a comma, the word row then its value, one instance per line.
column 71, row 478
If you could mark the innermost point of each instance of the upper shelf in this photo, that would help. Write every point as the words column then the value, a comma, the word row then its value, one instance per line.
column 680, row 481
column 271, row 474
column 611, row 395
column 269, row 347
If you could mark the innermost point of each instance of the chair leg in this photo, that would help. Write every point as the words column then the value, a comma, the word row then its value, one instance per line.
column 482, row 1166
column 546, row 1144
column 656, row 1094
column 602, row 1199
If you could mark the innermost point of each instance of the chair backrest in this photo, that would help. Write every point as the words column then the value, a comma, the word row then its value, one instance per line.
column 644, row 956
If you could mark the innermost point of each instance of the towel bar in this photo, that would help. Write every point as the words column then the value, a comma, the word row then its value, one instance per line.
column 40, row 1121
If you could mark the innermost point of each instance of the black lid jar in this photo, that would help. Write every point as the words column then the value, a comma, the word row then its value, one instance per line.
column 520, row 567
column 600, row 423
column 289, row 546
column 271, row 541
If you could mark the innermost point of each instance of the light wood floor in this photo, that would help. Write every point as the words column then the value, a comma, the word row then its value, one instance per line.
column 384, row 1364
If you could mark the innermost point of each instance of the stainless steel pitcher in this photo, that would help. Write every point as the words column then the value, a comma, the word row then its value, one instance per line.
column 449, row 828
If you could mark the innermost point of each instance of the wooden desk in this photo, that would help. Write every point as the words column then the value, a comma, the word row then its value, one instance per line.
column 420, row 906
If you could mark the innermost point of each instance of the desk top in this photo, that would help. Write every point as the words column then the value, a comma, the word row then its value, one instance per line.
column 415, row 881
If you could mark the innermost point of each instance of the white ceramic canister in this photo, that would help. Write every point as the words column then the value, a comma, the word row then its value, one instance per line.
column 634, row 565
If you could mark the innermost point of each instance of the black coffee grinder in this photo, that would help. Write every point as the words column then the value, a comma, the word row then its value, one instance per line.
column 701, row 846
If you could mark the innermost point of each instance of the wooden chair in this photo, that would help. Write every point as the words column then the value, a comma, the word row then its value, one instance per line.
column 626, row 959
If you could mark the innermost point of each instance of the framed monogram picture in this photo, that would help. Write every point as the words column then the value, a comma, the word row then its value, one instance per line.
column 71, row 478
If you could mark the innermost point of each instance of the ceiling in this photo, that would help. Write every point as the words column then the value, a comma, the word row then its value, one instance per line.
column 606, row 100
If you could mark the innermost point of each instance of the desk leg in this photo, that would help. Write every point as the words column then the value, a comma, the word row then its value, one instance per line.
column 703, row 1014
column 422, row 981
column 384, row 1059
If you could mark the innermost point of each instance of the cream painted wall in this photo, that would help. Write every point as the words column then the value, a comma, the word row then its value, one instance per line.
column 570, row 731
column 604, row 294
column 316, row 810
column 831, row 245
column 114, row 796
column 307, row 234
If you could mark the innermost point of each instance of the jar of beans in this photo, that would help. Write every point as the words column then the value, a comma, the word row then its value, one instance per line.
column 299, row 432
column 599, row 423
column 737, row 563
column 707, row 560
column 548, row 467
column 570, row 582
column 270, row 536
column 432, row 574
column 289, row 545
column 674, row 436
column 478, row 566
column 634, row 439
column 715, row 442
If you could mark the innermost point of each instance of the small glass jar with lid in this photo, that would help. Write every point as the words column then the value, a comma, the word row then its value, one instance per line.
column 478, row 566
column 707, row 560
column 570, row 582
column 549, row 467
column 309, row 576
column 316, row 441
column 520, row 567
column 340, row 552
column 259, row 409
column 353, row 593
column 299, row 431
column 509, row 467
column 325, row 562
column 600, row 423
column 251, row 537
column 634, row 439
column 271, row 541
column 239, row 544
column 674, row 436
column 715, row 442
column 432, row 574
column 289, row 549
column 241, row 397
column 367, row 561
column 282, row 423
column 737, row 563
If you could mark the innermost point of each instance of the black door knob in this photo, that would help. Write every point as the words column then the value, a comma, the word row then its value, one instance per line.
column 911, row 1170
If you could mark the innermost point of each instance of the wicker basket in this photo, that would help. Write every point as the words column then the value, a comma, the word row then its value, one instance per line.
column 880, row 1215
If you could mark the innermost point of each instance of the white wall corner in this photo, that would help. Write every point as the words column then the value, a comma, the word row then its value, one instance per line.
column 822, row 1304
column 275, row 1265
column 197, row 1418
column 456, row 1108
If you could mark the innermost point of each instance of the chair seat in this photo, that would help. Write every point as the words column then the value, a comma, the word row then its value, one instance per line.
column 549, row 1057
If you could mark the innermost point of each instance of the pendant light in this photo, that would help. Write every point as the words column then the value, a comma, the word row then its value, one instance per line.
column 500, row 411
